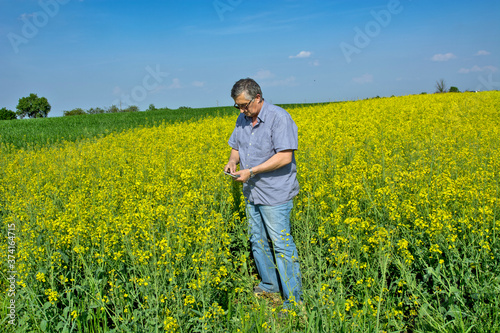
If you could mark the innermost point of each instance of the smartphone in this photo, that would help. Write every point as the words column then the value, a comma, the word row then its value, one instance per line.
column 230, row 174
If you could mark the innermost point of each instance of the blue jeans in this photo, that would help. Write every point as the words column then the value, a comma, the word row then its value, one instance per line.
column 280, row 266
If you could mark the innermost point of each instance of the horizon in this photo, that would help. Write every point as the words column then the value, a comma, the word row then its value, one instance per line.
column 87, row 54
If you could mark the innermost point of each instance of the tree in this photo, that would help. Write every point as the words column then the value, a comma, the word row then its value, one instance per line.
column 131, row 108
column 441, row 86
column 151, row 107
column 112, row 109
column 74, row 112
column 33, row 107
column 6, row 114
column 454, row 89
column 96, row 110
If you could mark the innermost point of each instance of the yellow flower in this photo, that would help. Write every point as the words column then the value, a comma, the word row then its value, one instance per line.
column 40, row 277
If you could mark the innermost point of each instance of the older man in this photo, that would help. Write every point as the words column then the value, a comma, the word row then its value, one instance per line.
column 263, row 143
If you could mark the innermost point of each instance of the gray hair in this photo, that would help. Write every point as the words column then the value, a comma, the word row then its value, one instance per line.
column 247, row 86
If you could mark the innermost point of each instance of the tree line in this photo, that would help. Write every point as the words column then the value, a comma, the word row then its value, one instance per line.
column 33, row 106
column 98, row 110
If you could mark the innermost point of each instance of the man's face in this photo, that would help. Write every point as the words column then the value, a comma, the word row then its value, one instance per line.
column 251, row 108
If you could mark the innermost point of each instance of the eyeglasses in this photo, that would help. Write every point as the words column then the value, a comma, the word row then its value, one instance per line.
column 243, row 106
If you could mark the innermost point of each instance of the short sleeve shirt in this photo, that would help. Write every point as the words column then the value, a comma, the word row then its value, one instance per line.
column 274, row 131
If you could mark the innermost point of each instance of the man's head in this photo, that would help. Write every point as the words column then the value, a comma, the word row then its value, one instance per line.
column 247, row 97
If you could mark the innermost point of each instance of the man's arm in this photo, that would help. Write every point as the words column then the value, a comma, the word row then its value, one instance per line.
column 276, row 161
column 234, row 159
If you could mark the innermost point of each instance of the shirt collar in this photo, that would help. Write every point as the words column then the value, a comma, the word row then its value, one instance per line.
column 262, row 114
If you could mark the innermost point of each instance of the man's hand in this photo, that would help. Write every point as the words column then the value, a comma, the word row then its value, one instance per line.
column 230, row 167
column 234, row 159
column 244, row 176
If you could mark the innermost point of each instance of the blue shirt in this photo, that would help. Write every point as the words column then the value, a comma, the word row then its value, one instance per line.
column 274, row 131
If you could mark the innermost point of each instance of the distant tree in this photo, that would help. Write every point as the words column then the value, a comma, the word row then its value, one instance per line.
column 74, row 112
column 454, row 89
column 131, row 108
column 184, row 108
column 6, row 114
column 151, row 107
column 95, row 110
column 112, row 109
column 423, row 93
column 441, row 86
column 33, row 107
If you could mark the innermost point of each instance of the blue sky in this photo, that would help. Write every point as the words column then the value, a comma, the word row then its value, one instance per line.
column 95, row 53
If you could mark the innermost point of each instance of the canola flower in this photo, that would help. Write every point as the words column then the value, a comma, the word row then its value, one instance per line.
column 399, row 207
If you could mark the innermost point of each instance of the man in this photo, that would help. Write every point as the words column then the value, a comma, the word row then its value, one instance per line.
column 263, row 143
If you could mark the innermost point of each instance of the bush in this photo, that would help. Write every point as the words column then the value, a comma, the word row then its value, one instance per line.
column 74, row 112
column 454, row 89
column 95, row 110
column 131, row 108
column 6, row 114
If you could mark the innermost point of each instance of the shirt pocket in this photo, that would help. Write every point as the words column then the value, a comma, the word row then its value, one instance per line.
column 262, row 144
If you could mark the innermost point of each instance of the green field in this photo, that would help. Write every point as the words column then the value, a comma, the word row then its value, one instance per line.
column 40, row 132
column 47, row 131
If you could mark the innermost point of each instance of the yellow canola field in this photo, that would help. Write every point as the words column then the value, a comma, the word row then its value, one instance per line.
column 141, row 229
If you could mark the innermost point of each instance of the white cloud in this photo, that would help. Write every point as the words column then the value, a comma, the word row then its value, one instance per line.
column 443, row 57
column 468, row 70
column 490, row 68
column 482, row 52
column 476, row 68
column 365, row 78
column 263, row 74
column 198, row 84
column 302, row 54
column 315, row 63
column 176, row 84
